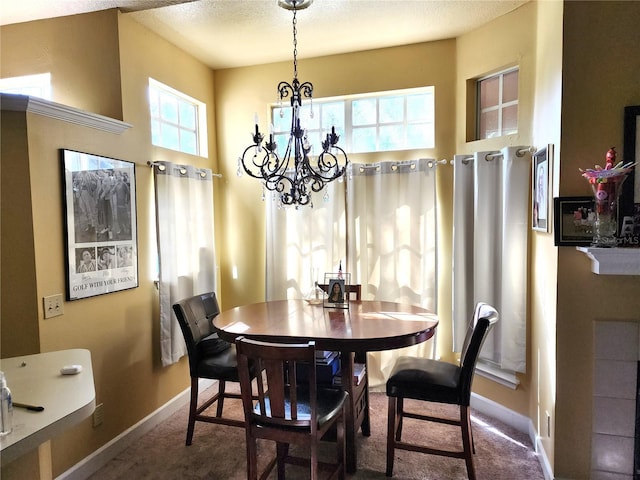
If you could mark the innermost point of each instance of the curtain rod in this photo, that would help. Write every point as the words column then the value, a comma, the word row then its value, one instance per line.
column 181, row 168
column 492, row 155
column 411, row 164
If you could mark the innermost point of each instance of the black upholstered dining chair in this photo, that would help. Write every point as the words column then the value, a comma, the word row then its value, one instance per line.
column 209, row 357
column 291, row 408
column 439, row 382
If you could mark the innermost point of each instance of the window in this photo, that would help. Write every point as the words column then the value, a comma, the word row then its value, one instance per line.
column 366, row 123
column 178, row 122
column 497, row 110
column 33, row 85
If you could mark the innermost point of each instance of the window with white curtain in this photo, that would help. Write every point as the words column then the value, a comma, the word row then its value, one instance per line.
column 304, row 243
column 382, row 221
column 490, row 235
column 184, row 222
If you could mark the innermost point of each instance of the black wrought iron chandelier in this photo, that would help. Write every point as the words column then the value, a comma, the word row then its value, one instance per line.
column 294, row 176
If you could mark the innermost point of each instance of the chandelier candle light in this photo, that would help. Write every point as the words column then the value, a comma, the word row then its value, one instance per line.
column 606, row 184
column 294, row 176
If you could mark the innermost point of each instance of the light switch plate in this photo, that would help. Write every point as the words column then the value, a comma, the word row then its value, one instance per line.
column 53, row 306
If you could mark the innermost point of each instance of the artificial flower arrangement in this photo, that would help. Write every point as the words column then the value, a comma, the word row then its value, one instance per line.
column 605, row 183
column 610, row 173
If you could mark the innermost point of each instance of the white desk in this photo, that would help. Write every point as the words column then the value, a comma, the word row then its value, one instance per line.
column 36, row 380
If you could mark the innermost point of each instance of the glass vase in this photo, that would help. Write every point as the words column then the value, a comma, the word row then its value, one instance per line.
column 605, row 226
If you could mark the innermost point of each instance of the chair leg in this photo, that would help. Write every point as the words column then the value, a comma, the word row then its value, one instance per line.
column 221, row 390
column 341, row 446
column 282, row 449
column 361, row 357
column 467, row 440
column 252, row 456
column 193, row 405
column 313, row 460
column 391, row 434
column 400, row 418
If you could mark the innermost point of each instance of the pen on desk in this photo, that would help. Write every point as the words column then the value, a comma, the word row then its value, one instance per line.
column 34, row 408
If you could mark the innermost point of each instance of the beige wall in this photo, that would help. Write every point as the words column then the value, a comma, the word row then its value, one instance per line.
column 18, row 297
column 601, row 72
column 81, row 53
column 120, row 329
column 543, row 273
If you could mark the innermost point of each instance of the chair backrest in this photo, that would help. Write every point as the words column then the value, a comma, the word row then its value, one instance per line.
column 287, row 393
column 195, row 315
column 353, row 288
column 484, row 317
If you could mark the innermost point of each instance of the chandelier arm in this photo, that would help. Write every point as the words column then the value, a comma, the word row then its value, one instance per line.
column 261, row 167
column 307, row 89
column 285, row 89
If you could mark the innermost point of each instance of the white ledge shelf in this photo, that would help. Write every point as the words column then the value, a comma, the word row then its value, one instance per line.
column 47, row 108
column 613, row 261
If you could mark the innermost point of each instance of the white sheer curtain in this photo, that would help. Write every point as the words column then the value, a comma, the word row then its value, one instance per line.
column 184, row 222
column 490, row 249
column 303, row 243
column 391, row 242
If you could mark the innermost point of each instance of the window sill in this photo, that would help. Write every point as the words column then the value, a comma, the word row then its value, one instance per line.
column 503, row 377
column 613, row 261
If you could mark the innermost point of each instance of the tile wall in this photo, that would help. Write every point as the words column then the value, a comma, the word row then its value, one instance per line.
column 617, row 353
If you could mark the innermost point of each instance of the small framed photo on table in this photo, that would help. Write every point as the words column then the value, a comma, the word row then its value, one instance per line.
column 337, row 295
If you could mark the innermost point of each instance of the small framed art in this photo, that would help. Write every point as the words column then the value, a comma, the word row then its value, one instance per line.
column 573, row 219
column 101, row 229
column 337, row 296
column 541, row 180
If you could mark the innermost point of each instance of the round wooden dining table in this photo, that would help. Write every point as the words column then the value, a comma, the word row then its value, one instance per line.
column 364, row 326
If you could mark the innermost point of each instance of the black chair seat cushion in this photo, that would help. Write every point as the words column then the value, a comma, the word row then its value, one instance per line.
column 223, row 366
column 329, row 402
column 425, row 379
column 212, row 345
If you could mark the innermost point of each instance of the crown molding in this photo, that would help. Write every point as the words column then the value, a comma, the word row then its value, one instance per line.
column 47, row 108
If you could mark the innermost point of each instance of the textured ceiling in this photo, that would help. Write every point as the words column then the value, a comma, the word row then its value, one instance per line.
column 233, row 33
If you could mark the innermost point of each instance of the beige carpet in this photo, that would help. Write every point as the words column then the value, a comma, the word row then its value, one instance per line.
column 218, row 452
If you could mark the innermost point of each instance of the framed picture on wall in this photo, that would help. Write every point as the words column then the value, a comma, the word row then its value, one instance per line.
column 629, row 204
column 100, row 224
column 573, row 219
column 541, row 181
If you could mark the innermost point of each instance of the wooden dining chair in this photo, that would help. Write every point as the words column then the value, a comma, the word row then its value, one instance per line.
column 291, row 408
column 209, row 357
column 438, row 382
column 355, row 293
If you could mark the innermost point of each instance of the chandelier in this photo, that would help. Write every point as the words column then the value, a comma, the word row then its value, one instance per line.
column 295, row 176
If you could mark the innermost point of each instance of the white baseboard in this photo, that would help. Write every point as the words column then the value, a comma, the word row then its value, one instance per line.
column 519, row 422
column 544, row 460
column 94, row 462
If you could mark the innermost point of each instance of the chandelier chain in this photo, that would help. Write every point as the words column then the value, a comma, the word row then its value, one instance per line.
column 295, row 42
